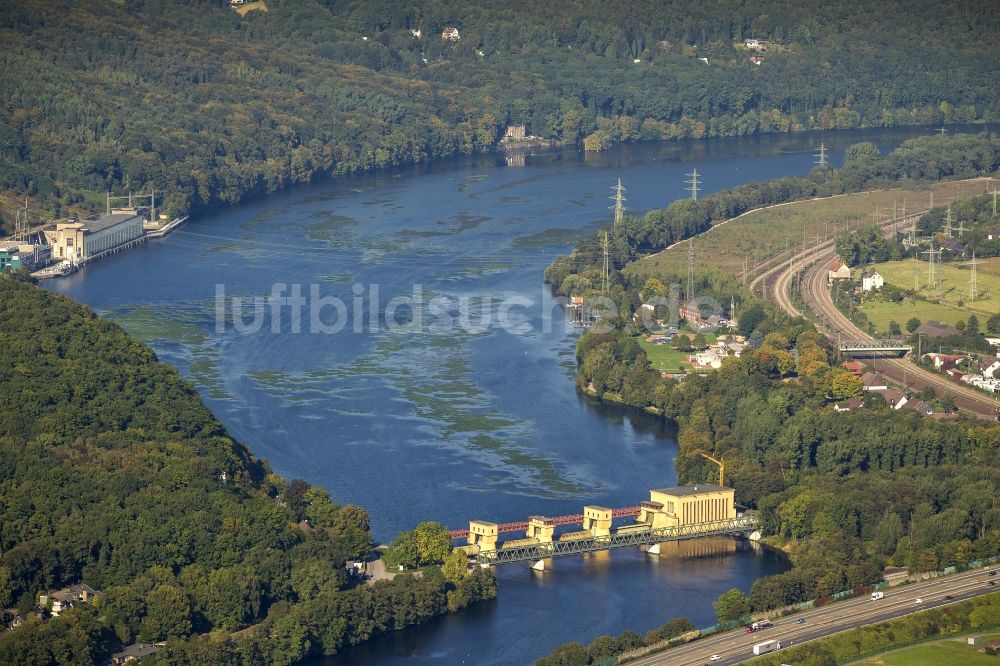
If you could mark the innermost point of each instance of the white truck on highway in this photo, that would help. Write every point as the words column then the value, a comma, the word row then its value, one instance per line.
column 766, row 646
column 877, row 595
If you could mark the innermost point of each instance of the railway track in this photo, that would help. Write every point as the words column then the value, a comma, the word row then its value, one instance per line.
column 775, row 283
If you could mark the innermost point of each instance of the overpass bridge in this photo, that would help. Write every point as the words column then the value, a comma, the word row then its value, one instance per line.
column 864, row 347
column 671, row 514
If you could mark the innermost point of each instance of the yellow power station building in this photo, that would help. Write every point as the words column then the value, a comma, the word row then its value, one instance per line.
column 687, row 505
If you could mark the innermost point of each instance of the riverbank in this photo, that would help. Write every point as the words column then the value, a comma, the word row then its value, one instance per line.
column 462, row 425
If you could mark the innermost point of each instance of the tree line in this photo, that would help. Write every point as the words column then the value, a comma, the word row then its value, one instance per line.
column 209, row 108
column 113, row 473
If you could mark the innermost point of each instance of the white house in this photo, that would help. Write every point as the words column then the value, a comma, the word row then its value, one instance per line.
column 450, row 34
column 991, row 369
column 871, row 280
column 754, row 44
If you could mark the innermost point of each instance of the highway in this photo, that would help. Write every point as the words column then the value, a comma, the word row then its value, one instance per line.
column 736, row 646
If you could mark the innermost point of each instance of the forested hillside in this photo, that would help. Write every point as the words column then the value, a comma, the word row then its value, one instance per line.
column 209, row 107
column 114, row 474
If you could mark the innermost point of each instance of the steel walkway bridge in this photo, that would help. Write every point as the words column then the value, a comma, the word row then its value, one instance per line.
column 628, row 536
column 874, row 347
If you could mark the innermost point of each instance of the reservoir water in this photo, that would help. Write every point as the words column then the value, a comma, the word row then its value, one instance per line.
column 458, row 418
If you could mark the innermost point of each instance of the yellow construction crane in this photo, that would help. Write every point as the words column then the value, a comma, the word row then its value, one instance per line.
column 722, row 466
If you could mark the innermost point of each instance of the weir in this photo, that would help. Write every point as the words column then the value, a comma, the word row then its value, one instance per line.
column 671, row 514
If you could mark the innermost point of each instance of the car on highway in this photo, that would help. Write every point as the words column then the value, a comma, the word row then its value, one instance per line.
column 714, row 657
column 948, row 597
column 919, row 600
column 993, row 572
column 801, row 620
column 991, row 583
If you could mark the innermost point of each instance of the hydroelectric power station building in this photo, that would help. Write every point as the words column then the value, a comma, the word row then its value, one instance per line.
column 79, row 240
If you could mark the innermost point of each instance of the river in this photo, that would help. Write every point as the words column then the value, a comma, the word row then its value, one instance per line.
column 451, row 420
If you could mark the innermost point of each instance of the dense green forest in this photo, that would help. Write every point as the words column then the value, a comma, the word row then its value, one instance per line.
column 113, row 473
column 209, row 107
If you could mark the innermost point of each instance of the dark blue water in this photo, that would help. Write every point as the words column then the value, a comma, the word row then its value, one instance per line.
column 444, row 421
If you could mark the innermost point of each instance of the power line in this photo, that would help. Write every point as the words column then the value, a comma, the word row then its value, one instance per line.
column 606, row 275
column 690, row 260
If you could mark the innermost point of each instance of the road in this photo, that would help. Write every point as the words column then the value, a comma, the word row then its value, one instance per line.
column 735, row 647
column 816, row 294
column 775, row 283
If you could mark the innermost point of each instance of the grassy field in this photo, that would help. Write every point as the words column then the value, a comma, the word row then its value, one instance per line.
column 881, row 313
column 942, row 653
column 954, row 282
column 761, row 234
column 664, row 357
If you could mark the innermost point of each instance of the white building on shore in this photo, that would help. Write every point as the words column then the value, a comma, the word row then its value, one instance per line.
column 78, row 240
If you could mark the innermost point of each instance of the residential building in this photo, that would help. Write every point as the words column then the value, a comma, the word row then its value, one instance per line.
column 989, row 370
column 871, row 280
column 853, row 367
column 896, row 398
column 689, row 312
column 839, row 270
column 514, row 133
column 935, row 329
column 450, row 34
column 134, row 652
column 75, row 241
column 848, row 405
column 954, row 246
column 67, row 597
column 944, row 361
column 872, row 382
column 921, row 407
column 757, row 59
column 754, row 44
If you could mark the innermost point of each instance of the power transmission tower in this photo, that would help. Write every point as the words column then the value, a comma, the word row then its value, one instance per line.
column 619, row 200
column 21, row 223
column 690, row 285
column 821, row 155
column 948, row 228
column 606, row 274
column 988, row 181
column 973, row 290
column 693, row 184
column 933, row 270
